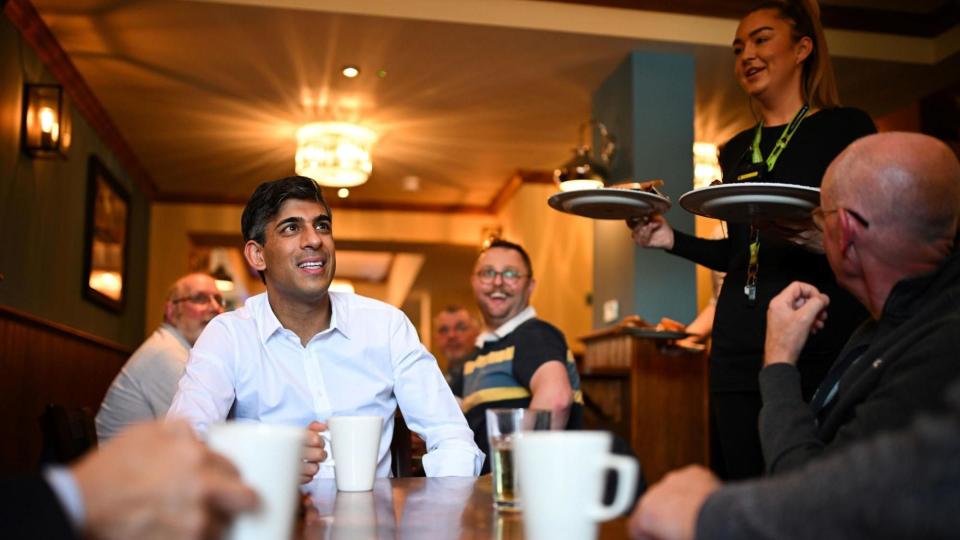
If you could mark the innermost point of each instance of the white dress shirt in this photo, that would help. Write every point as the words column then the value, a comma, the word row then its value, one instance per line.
column 145, row 386
column 367, row 362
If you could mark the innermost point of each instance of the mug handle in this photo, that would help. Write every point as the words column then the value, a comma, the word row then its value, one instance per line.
column 328, row 446
column 627, row 470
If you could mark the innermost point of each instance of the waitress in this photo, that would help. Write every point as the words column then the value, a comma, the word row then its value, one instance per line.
column 782, row 63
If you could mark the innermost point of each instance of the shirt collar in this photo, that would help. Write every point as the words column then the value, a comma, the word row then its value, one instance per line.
column 339, row 316
column 911, row 294
column 176, row 334
column 507, row 327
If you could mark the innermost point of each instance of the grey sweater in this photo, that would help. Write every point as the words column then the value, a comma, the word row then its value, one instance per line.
column 900, row 485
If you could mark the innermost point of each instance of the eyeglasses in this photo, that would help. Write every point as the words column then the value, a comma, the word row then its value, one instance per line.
column 819, row 216
column 489, row 275
column 201, row 299
column 460, row 328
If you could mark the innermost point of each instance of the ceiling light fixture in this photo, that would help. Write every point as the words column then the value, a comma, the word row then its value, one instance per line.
column 343, row 193
column 350, row 71
column 335, row 154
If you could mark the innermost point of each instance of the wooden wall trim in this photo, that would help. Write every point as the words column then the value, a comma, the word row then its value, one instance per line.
column 36, row 33
column 865, row 19
column 43, row 363
column 503, row 196
column 26, row 318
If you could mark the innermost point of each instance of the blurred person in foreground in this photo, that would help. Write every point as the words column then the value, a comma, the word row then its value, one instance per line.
column 146, row 384
column 890, row 211
column 154, row 480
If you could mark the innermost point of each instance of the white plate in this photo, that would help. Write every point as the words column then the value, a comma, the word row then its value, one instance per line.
column 746, row 202
column 609, row 203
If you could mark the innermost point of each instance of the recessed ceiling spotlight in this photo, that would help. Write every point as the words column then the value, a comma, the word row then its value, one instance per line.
column 343, row 193
column 411, row 183
column 350, row 71
column 382, row 73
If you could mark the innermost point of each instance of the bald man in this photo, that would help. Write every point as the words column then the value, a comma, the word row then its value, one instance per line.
column 890, row 207
column 144, row 388
column 890, row 210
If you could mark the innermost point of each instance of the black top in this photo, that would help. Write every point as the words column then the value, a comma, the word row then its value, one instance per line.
column 29, row 509
column 500, row 373
column 739, row 327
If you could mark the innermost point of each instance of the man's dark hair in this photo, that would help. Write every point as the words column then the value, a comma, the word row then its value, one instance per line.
column 506, row 244
column 269, row 197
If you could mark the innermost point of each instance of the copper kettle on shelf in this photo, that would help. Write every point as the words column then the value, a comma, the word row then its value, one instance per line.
column 584, row 171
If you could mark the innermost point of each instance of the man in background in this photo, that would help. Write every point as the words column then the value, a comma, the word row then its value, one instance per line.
column 144, row 388
column 455, row 331
column 521, row 361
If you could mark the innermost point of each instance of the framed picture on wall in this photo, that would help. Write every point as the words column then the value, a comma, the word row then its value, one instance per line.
column 106, row 239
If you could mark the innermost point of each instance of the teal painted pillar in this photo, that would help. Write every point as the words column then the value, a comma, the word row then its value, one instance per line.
column 647, row 104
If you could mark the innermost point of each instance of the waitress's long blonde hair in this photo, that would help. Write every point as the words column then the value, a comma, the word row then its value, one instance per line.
column 818, row 84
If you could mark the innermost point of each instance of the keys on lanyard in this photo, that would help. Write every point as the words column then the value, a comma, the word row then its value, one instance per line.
column 753, row 268
column 750, row 289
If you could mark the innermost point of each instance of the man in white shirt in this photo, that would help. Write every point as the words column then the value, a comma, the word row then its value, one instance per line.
column 145, row 386
column 300, row 354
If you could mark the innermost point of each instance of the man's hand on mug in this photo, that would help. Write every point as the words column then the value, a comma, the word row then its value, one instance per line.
column 156, row 480
column 314, row 452
column 651, row 232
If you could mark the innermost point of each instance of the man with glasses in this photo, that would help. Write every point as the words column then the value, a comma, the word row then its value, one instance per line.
column 521, row 360
column 890, row 208
column 145, row 386
column 890, row 212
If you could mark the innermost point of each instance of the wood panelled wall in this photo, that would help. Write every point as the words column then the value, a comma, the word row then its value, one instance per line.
column 44, row 362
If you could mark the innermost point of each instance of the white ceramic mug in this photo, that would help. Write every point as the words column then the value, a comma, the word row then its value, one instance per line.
column 562, row 474
column 269, row 458
column 354, row 445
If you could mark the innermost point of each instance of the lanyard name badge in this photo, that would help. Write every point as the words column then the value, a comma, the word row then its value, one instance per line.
column 757, row 171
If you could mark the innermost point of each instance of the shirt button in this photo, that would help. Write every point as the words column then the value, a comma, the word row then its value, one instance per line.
column 877, row 363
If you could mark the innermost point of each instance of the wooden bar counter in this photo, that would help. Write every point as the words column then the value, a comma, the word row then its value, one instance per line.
column 651, row 392
column 428, row 508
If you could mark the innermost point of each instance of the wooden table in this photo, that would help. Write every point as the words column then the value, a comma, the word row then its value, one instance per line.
column 429, row 508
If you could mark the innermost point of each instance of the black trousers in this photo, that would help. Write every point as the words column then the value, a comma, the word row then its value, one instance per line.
column 735, row 437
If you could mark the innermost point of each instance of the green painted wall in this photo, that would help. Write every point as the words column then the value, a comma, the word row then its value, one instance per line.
column 42, row 215
column 647, row 104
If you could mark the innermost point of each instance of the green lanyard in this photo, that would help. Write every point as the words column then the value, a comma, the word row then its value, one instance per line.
column 753, row 268
column 781, row 142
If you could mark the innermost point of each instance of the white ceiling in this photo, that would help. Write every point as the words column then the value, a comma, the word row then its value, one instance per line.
column 208, row 94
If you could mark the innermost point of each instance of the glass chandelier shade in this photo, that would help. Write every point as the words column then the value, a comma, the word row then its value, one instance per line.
column 335, row 154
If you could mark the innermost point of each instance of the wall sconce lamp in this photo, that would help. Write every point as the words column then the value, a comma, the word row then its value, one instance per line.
column 46, row 121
